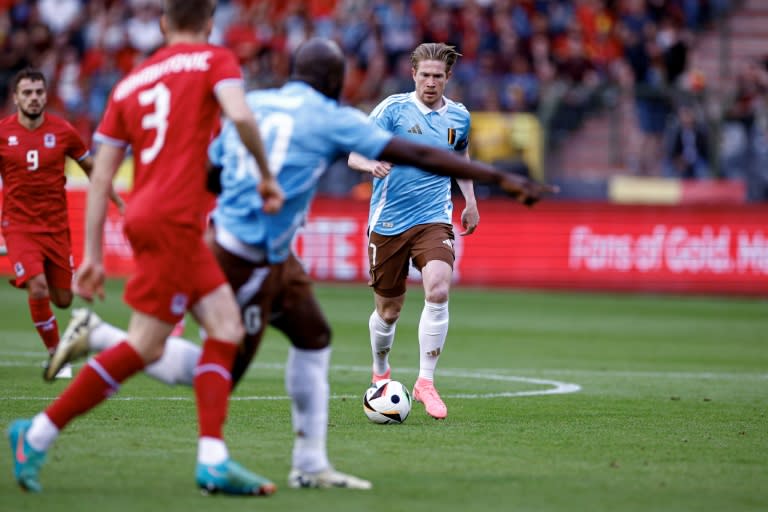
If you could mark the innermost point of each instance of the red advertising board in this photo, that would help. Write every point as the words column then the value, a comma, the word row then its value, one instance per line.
column 560, row 245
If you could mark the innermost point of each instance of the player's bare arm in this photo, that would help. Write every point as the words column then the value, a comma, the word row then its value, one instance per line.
column 470, row 217
column 232, row 101
column 444, row 163
column 89, row 279
column 86, row 164
column 378, row 168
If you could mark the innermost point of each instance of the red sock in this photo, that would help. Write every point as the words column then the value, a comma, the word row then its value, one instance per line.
column 213, row 383
column 45, row 322
column 97, row 381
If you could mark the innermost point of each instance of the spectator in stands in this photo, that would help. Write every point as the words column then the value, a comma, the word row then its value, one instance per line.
column 483, row 93
column 143, row 28
column 745, row 143
column 687, row 146
column 14, row 57
column 579, row 80
column 520, row 86
column 637, row 33
column 398, row 29
column 61, row 16
column 573, row 48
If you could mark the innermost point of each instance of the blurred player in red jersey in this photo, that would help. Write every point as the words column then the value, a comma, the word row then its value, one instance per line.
column 165, row 110
column 33, row 150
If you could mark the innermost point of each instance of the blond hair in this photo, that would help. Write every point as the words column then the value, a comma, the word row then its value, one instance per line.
column 435, row 51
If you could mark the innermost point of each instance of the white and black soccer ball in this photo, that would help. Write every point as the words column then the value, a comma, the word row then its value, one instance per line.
column 387, row 401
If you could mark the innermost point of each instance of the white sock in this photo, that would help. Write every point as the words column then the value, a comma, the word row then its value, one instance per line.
column 382, row 339
column 104, row 336
column 211, row 451
column 306, row 380
column 177, row 365
column 433, row 329
column 42, row 433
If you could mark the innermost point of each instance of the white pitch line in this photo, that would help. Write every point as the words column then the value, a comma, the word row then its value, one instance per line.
column 640, row 374
column 648, row 374
column 556, row 387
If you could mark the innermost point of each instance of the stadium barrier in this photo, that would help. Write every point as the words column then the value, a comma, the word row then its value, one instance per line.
column 699, row 248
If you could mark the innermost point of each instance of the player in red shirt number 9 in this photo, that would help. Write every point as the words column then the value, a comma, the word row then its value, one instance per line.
column 34, row 146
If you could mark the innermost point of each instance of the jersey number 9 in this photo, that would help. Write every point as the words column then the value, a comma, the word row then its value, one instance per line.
column 33, row 160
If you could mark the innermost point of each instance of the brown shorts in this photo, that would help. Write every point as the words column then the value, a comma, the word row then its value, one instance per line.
column 278, row 294
column 389, row 256
column 31, row 254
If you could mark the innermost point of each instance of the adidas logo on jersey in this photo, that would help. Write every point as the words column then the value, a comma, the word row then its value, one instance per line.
column 415, row 129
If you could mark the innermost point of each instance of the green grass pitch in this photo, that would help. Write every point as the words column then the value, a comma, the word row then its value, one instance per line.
column 557, row 402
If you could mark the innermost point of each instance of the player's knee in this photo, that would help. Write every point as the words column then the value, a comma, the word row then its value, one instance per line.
column 61, row 298
column 437, row 296
column 437, row 292
column 37, row 288
column 149, row 352
column 390, row 314
column 319, row 338
column 324, row 336
column 230, row 331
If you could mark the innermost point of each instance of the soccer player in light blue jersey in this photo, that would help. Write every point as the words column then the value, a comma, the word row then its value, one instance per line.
column 410, row 217
column 304, row 130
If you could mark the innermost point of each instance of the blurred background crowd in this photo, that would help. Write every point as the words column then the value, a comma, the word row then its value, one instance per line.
column 601, row 87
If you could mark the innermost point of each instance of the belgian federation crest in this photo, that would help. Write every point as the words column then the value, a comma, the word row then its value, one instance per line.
column 451, row 136
column 49, row 140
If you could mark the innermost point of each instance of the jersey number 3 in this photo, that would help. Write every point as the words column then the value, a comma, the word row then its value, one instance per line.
column 160, row 97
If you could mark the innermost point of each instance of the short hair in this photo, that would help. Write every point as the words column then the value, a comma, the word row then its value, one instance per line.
column 435, row 51
column 33, row 75
column 189, row 15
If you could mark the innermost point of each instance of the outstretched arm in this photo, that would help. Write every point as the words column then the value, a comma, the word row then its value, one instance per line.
column 444, row 163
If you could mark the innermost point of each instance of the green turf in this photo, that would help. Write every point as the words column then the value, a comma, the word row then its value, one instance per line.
column 671, row 415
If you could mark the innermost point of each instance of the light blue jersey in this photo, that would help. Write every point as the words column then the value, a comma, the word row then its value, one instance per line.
column 303, row 132
column 409, row 196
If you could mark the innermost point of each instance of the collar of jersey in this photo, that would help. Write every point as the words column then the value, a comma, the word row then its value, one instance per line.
column 425, row 109
column 298, row 84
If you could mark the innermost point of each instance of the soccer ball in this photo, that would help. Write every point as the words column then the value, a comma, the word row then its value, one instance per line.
column 387, row 401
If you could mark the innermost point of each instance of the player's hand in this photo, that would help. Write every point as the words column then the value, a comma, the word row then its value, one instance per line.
column 381, row 169
column 470, row 218
column 272, row 195
column 89, row 280
column 526, row 191
column 119, row 202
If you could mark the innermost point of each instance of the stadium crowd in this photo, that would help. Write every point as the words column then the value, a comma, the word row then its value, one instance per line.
column 551, row 58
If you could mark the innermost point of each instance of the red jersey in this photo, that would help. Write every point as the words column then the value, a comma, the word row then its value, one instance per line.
column 32, row 167
column 166, row 111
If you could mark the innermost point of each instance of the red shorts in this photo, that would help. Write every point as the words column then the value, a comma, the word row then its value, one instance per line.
column 32, row 254
column 174, row 270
